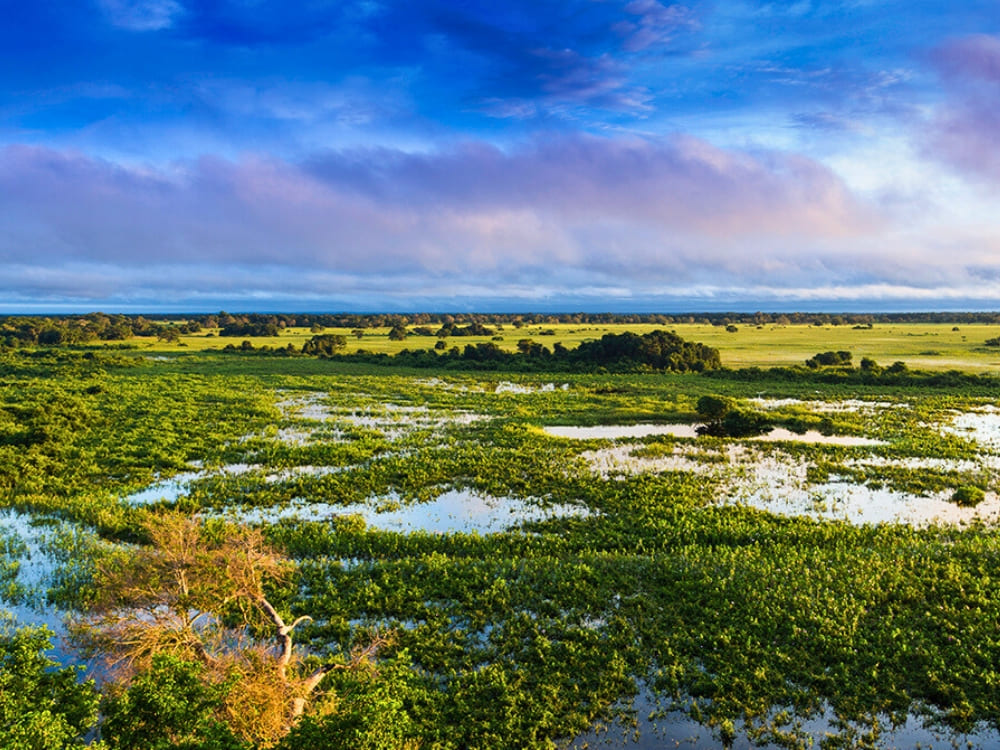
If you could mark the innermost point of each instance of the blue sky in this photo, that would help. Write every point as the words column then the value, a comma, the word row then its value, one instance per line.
column 579, row 154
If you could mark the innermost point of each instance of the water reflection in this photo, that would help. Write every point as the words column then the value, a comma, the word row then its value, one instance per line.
column 650, row 727
column 618, row 432
column 453, row 511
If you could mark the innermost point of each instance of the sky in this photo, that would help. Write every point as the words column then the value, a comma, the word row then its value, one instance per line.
column 526, row 155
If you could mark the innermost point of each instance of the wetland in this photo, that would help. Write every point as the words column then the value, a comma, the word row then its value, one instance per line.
column 562, row 561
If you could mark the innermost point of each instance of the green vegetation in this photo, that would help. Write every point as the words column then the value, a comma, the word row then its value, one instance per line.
column 42, row 706
column 526, row 632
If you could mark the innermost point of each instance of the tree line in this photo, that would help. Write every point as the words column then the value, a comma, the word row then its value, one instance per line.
column 55, row 330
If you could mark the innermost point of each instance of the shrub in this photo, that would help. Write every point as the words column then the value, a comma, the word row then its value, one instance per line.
column 968, row 496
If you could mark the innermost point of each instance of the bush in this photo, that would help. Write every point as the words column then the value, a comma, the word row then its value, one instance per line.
column 41, row 704
column 968, row 496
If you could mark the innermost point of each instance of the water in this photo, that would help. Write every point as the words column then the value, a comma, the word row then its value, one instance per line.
column 779, row 485
column 617, row 432
column 981, row 426
column 453, row 511
column 653, row 730
column 36, row 571
column 522, row 388
column 829, row 407
column 779, row 434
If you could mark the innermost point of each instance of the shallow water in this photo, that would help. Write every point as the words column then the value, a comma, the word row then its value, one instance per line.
column 614, row 432
column 453, row 511
column 779, row 434
column 521, row 388
column 678, row 730
column 777, row 482
column 35, row 574
column 828, row 407
column 981, row 426
column 784, row 490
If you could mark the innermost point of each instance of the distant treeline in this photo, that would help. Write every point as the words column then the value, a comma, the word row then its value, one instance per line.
column 656, row 351
column 80, row 329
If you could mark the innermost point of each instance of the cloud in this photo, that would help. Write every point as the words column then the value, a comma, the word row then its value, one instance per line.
column 972, row 57
column 564, row 213
column 964, row 130
column 142, row 15
column 653, row 24
column 676, row 184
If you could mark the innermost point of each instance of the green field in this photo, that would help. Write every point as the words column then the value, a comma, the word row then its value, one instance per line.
column 525, row 587
column 919, row 345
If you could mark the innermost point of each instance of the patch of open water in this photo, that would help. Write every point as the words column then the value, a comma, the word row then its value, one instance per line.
column 177, row 486
column 453, row 511
column 35, row 572
column 617, row 432
column 981, row 426
column 778, row 483
column 828, row 407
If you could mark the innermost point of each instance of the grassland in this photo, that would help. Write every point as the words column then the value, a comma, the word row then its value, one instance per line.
column 921, row 346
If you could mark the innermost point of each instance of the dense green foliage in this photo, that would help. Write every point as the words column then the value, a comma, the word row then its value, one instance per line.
column 168, row 708
column 42, row 706
column 656, row 351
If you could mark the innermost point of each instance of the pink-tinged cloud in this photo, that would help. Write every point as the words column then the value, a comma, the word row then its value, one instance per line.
column 581, row 210
column 965, row 131
column 973, row 57
column 680, row 184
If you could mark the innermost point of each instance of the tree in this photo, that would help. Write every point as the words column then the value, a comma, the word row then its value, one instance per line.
column 169, row 333
column 397, row 333
column 324, row 345
column 723, row 420
column 713, row 407
column 829, row 359
column 169, row 707
column 197, row 592
column 42, row 706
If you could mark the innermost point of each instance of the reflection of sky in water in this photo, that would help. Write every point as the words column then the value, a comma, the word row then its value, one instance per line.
column 616, row 432
column 860, row 504
column 677, row 730
column 180, row 484
column 981, row 426
column 453, row 511
column 35, row 575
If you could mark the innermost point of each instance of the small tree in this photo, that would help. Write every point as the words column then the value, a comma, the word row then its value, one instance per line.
column 197, row 593
column 397, row 333
column 171, row 334
column 324, row 345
